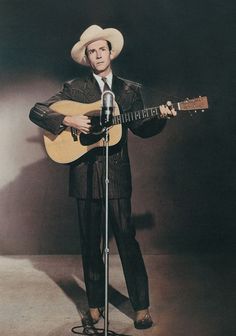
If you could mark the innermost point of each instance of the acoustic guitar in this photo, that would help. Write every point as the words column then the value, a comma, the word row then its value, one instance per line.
column 70, row 145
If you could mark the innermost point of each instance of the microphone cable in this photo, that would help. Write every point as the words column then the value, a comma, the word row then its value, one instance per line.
column 93, row 331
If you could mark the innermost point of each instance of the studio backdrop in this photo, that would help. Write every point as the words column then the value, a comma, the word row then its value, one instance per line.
column 183, row 179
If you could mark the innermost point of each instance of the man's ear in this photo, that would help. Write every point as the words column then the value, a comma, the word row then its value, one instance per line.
column 111, row 54
column 86, row 59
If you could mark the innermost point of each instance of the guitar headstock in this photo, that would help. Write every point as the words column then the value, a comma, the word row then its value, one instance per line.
column 200, row 103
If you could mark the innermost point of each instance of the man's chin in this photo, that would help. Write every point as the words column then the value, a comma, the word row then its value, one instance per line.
column 100, row 70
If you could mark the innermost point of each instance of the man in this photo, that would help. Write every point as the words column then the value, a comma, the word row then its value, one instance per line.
column 97, row 48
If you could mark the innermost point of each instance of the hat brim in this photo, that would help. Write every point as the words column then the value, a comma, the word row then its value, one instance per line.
column 109, row 34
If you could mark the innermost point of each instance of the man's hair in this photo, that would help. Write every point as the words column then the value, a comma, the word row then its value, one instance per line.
column 109, row 47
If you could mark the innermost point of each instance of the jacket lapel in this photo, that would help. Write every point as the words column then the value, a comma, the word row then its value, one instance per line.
column 92, row 90
column 117, row 88
column 123, row 94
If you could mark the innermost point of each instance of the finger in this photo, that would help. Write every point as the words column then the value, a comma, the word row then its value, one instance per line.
column 84, row 123
column 85, row 131
column 87, row 125
column 174, row 113
column 162, row 110
column 87, row 128
column 170, row 112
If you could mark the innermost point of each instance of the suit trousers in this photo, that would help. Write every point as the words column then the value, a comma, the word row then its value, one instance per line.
column 91, row 215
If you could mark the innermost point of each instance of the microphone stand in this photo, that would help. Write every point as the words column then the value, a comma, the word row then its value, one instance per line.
column 106, row 250
column 106, row 117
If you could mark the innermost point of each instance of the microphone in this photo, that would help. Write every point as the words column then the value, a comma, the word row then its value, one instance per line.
column 107, row 108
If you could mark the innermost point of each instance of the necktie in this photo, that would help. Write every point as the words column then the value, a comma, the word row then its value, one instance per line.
column 106, row 86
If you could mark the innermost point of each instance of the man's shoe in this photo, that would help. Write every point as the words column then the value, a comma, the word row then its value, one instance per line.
column 144, row 323
column 88, row 320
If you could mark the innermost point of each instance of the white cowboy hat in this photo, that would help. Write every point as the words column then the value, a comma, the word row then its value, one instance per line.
column 95, row 33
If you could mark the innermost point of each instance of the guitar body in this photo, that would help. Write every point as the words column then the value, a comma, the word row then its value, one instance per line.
column 65, row 148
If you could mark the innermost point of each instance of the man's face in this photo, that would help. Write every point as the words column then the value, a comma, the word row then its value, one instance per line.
column 99, row 57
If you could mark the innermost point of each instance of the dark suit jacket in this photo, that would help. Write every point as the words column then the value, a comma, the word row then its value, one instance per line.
column 87, row 174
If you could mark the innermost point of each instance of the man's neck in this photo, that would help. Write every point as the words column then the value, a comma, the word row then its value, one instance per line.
column 104, row 73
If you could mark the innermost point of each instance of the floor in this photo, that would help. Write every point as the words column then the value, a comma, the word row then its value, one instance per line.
column 190, row 296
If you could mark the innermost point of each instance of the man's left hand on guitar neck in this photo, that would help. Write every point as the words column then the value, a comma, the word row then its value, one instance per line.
column 167, row 111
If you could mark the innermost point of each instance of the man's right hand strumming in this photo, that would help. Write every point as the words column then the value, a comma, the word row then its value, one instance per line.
column 81, row 122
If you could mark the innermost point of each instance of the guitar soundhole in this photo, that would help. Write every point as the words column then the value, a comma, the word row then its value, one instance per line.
column 94, row 116
column 97, row 131
column 96, row 128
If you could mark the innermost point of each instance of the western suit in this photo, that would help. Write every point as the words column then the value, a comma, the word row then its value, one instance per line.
column 87, row 185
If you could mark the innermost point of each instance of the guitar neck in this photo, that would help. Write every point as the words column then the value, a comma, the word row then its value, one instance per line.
column 200, row 103
column 150, row 112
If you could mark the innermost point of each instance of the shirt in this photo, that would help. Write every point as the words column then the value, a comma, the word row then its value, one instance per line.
column 101, row 82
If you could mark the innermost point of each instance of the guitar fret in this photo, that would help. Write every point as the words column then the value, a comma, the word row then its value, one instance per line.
column 153, row 112
column 137, row 115
column 127, row 118
column 116, row 120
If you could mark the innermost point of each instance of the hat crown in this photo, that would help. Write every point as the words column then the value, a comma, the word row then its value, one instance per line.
column 90, row 32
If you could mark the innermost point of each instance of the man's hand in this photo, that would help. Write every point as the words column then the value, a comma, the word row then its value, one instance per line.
column 81, row 123
column 167, row 111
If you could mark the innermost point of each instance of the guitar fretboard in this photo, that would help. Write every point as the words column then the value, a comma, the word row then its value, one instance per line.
column 137, row 115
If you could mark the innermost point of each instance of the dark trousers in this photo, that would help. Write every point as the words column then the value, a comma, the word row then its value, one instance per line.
column 92, row 223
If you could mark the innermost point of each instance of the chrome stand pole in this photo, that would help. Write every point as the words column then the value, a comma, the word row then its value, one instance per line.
column 106, row 250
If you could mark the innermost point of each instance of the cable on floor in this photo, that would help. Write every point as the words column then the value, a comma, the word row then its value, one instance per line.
column 92, row 331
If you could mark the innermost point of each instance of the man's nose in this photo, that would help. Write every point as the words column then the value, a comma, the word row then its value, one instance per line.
column 99, row 54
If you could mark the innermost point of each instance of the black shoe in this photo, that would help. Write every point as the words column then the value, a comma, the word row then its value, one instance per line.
column 144, row 323
column 87, row 319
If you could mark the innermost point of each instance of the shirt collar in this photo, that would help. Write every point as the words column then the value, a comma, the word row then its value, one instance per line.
column 100, row 81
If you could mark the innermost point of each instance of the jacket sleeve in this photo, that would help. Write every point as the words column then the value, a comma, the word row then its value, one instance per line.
column 43, row 116
column 147, row 127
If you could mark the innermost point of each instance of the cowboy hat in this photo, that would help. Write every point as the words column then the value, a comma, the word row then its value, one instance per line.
column 95, row 33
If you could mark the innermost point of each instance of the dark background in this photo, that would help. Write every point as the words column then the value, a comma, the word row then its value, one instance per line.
column 184, row 179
